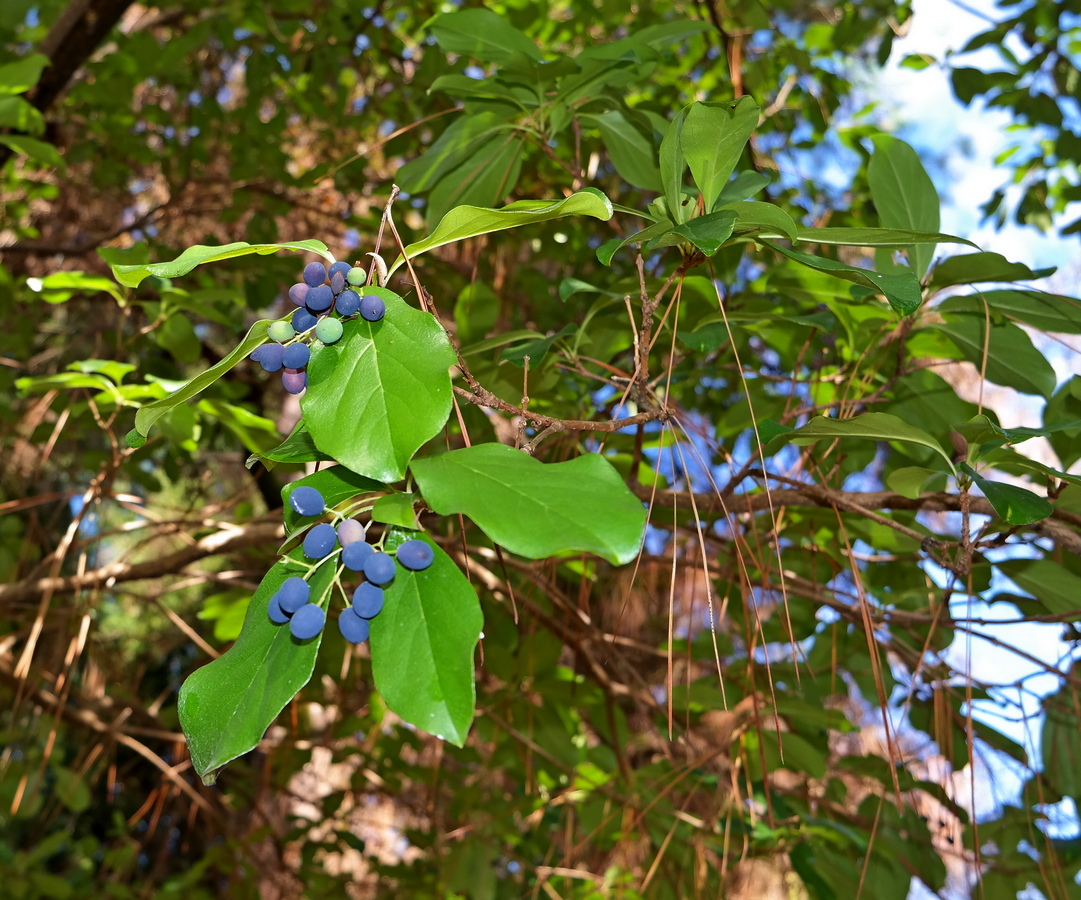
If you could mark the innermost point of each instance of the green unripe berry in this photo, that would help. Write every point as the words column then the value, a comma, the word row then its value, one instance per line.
column 329, row 330
column 280, row 332
column 356, row 276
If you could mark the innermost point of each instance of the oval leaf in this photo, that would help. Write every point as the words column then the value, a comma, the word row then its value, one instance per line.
column 422, row 645
column 536, row 509
column 380, row 392
column 226, row 707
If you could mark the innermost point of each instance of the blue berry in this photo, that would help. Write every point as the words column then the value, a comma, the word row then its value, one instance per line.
column 303, row 320
column 296, row 356
column 315, row 273
column 354, row 555
column 271, row 357
column 320, row 541
column 416, row 555
column 293, row 594
column 319, row 298
column 337, row 282
column 308, row 621
column 353, row 628
column 337, row 267
column 379, row 568
column 368, row 601
column 277, row 615
column 307, row 501
column 348, row 303
column 372, row 307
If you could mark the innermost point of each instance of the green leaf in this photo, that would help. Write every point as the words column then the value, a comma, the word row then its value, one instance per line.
column 422, row 645
column 973, row 268
column 876, row 237
column 763, row 219
column 608, row 249
column 869, row 426
column 910, row 481
column 904, row 194
column 536, row 509
column 707, row 233
column 673, row 165
column 17, row 114
column 382, row 391
column 712, row 140
column 1048, row 312
column 1015, row 505
column 631, row 152
column 396, row 509
column 297, row 448
column 35, row 149
column 903, row 291
column 1011, row 358
column 61, row 286
column 1054, row 586
column 470, row 221
column 454, row 147
column 226, row 707
column 337, row 484
column 485, row 178
column 744, row 186
column 481, row 34
column 149, row 414
column 19, row 76
column 132, row 276
column 1060, row 740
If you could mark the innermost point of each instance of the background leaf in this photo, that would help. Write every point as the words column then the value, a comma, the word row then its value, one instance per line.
column 712, row 141
column 904, row 195
column 200, row 254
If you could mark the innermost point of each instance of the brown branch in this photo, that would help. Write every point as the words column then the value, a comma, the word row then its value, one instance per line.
column 224, row 541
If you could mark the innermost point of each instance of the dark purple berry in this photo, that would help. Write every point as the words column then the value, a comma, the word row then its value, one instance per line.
column 315, row 273
column 272, row 357
column 319, row 298
column 348, row 303
column 379, row 568
column 298, row 293
column 293, row 381
column 320, row 541
column 416, row 555
column 349, row 532
column 368, row 601
column 337, row 282
column 308, row 621
column 372, row 308
column 354, row 555
column 353, row 628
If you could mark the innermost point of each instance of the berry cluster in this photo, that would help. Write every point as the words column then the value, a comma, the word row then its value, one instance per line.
column 321, row 292
column 291, row 602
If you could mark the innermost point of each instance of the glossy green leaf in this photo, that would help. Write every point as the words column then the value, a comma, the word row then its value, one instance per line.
column 903, row 291
column 975, row 268
column 608, row 249
column 481, row 34
column 673, row 164
column 382, row 391
column 744, row 186
column 869, row 426
column 536, row 509
column 1054, row 586
column 422, row 645
column 149, row 414
column 705, row 233
column 1048, row 312
column 337, row 484
column 297, row 448
column 712, row 140
column 470, row 221
column 62, row 286
column 910, row 481
column 875, row 237
column 226, row 706
column 396, row 509
column 904, row 195
column 761, row 220
column 1015, row 505
column 200, row 254
column 632, row 152
column 484, row 179
column 1011, row 358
